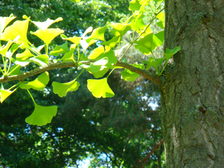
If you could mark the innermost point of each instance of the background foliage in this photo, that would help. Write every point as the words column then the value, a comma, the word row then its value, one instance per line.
column 119, row 131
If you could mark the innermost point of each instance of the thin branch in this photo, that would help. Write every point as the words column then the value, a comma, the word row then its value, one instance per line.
column 54, row 66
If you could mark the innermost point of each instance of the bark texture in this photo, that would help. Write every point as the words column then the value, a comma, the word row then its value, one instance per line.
column 193, row 91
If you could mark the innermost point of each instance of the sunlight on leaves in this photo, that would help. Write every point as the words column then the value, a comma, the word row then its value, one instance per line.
column 17, row 31
column 98, row 34
column 47, row 23
column 41, row 115
column 99, row 88
column 61, row 89
column 4, row 21
column 4, row 94
column 38, row 84
column 96, row 52
column 41, row 60
column 47, row 35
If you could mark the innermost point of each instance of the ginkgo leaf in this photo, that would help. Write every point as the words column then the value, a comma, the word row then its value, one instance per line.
column 37, row 84
column 170, row 52
column 96, row 52
column 99, row 88
column 18, row 31
column 98, row 34
column 4, row 21
column 41, row 115
column 41, row 60
column 122, row 28
column 74, row 40
column 134, row 5
column 24, row 55
column 4, row 94
column 47, row 35
column 5, row 48
column 61, row 89
column 129, row 75
column 47, row 23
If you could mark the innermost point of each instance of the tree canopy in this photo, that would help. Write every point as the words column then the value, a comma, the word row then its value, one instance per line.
column 37, row 56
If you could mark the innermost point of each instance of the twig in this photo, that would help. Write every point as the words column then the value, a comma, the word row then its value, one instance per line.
column 54, row 66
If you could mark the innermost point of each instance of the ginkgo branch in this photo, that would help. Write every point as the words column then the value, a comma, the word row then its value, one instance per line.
column 53, row 66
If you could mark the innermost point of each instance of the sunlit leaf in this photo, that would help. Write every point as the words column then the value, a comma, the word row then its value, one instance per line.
column 47, row 23
column 98, row 34
column 4, row 94
column 112, row 42
column 61, row 89
column 41, row 115
column 24, row 55
column 18, row 31
column 122, row 28
column 4, row 21
column 96, row 52
column 47, row 35
column 149, row 42
column 5, row 48
column 38, row 84
column 41, row 60
column 74, row 40
column 134, row 5
column 99, row 88
column 161, row 17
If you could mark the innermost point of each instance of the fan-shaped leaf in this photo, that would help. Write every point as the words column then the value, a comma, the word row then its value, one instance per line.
column 38, row 84
column 99, row 88
column 61, row 89
column 47, row 35
column 41, row 115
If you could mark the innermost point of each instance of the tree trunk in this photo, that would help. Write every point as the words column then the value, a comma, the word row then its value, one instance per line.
column 193, row 92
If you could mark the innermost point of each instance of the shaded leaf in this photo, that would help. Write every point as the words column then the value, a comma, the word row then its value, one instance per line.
column 61, row 89
column 41, row 115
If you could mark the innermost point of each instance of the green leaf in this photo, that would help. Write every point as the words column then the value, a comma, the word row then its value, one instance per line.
column 156, row 63
column 38, row 84
column 149, row 42
column 112, row 42
column 99, row 88
column 69, row 56
column 75, row 40
column 98, row 34
column 17, row 31
column 129, row 75
column 47, row 23
column 4, row 94
column 47, row 35
column 61, row 89
column 98, row 68
column 41, row 115
column 96, row 52
column 4, row 21
column 122, row 28
column 134, row 5
column 24, row 55
column 41, row 60
column 161, row 17
column 170, row 52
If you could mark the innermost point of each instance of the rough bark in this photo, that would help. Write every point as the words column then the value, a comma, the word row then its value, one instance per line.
column 193, row 91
